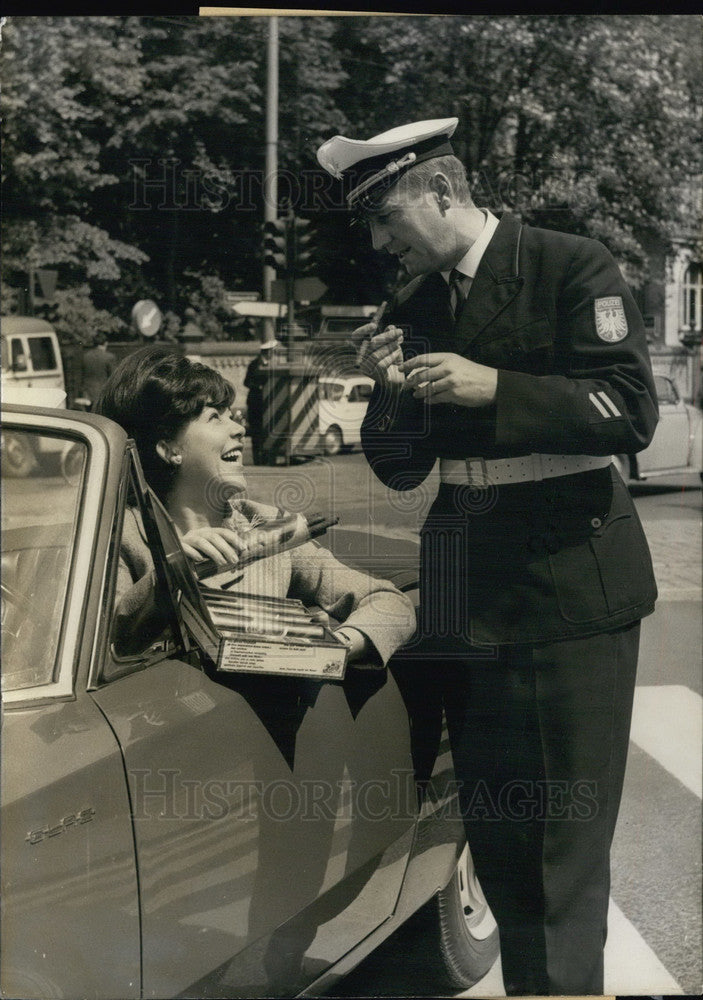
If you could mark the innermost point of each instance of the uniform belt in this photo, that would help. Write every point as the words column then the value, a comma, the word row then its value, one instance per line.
column 505, row 471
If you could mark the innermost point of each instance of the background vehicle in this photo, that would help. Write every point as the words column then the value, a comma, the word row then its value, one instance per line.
column 168, row 830
column 30, row 353
column 343, row 404
column 677, row 445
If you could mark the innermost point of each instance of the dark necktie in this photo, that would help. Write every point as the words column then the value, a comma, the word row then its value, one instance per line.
column 459, row 285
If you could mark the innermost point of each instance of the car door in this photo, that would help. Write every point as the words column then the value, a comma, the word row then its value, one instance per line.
column 273, row 817
column 70, row 922
column 670, row 444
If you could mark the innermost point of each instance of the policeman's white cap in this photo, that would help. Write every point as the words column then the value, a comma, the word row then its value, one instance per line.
column 372, row 166
column 269, row 345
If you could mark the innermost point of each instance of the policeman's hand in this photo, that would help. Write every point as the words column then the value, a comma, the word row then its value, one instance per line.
column 379, row 353
column 222, row 545
column 449, row 378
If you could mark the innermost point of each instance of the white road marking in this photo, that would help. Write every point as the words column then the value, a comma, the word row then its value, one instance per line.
column 630, row 964
column 667, row 723
column 631, row 967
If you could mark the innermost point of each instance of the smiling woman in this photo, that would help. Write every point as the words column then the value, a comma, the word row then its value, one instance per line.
column 190, row 446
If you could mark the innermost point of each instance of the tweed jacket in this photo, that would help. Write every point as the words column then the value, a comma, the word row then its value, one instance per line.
column 309, row 573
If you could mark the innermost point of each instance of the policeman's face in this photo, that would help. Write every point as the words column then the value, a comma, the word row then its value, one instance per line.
column 417, row 229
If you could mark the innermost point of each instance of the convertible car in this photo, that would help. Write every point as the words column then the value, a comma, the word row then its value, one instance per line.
column 170, row 830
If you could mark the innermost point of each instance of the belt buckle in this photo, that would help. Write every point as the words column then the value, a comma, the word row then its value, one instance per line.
column 476, row 472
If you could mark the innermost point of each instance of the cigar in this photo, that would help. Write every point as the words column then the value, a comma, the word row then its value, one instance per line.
column 376, row 320
column 269, row 626
column 271, row 538
column 222, row 612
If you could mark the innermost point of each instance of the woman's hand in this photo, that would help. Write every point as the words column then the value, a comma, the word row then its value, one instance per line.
column 224, row 546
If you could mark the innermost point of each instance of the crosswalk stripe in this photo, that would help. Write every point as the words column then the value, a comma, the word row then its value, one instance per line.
column 631, row 967
column 667, row 723
column 630, row 964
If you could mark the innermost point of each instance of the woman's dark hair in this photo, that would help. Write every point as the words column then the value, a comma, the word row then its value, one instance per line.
column 153, row 393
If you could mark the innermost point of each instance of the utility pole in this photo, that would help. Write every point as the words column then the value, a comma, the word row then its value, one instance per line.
column 271, row 165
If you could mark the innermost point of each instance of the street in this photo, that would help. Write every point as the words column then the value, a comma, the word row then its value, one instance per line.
column 654, row 944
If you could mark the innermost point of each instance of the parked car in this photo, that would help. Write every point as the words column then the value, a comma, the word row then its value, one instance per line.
column 343, row 404
column 169, row 830
column 677, row 445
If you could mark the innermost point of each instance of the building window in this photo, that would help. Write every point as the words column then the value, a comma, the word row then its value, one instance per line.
column 692, row 292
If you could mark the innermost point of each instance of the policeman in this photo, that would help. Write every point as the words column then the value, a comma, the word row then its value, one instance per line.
column 517, row 357
column 258, row 371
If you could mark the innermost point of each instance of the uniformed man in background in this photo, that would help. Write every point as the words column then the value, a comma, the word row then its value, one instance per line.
column 517, row 357
column 258, row 371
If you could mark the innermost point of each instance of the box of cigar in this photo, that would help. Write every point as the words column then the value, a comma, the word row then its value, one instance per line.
column 252, row 633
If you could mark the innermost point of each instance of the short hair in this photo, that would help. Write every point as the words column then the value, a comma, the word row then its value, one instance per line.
column 153, row 394
column 99, row 339
column 416, row 180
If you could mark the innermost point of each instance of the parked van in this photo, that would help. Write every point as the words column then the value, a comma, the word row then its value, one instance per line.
column 32, row 375
column 30, row 353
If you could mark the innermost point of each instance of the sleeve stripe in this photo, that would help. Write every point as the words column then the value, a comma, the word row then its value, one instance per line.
column 599, row 406
column 610, row 404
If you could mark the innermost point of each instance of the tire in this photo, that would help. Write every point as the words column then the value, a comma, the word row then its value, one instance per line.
column 18, row 458
column 332, row 441
column 467, row 932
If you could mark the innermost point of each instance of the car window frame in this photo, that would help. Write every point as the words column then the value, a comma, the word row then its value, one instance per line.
column 36, row 338
column 111, row 666
column 90, row 503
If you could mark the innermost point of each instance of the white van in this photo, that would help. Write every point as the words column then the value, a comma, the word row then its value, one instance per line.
column 32, row 375
column 30, row 353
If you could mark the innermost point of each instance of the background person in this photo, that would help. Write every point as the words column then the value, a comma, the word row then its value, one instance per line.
column 97, row 365
column 517, row 357
column 258, row 370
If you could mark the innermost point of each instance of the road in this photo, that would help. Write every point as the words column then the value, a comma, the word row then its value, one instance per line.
column 654, row 944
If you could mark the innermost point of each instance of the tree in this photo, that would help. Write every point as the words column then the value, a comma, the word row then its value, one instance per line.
column 60, row 79
column 587, row 123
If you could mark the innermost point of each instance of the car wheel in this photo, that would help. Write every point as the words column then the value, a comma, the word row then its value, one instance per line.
column 18, row 458
column 332, row 441
column 622, row 464
column 466, row 929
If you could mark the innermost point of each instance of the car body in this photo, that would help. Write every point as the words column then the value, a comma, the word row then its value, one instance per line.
column 171, row 831
column 677, row 445
column 342, row 407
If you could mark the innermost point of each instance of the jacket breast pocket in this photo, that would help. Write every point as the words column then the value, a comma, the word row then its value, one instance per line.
column 528, row 348
column 605, row 574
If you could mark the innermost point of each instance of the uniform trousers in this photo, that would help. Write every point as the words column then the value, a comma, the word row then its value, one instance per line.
column 539, row 737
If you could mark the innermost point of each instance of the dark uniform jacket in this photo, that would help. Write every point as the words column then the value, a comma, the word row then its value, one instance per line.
column 543, row 560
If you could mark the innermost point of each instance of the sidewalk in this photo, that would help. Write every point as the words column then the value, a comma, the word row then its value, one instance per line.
column 676, row 546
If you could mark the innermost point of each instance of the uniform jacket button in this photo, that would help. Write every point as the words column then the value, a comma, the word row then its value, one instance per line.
column 596, row 522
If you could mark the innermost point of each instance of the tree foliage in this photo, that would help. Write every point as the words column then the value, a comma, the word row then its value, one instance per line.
column 134, row 147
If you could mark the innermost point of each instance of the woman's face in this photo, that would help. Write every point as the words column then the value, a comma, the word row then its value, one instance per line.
column 211, row 448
